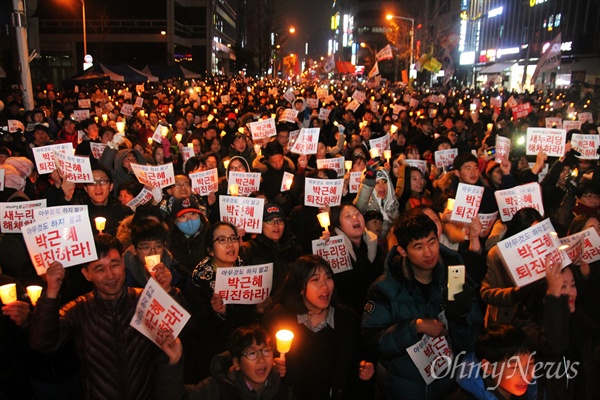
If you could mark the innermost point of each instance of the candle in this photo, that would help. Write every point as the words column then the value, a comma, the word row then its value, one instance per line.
column 120, row 127
column 348, row 165
column 100, row 223
column 284, row 341
column 450, row 205
column 374, row 153
column 288, row 183
column 387, row 154
column 257, row 149
column 164, row 131
column 142, row 113
column 152, row 261
column 210, row 118
column 226, row 163
column 324, row 220
column 178, row 137
column 234, row 189
column 8, row 293
column 104, row 117
column 273, row 116
column 393, row 129
column 241, row 129
column 191, row 145
column 34, row 293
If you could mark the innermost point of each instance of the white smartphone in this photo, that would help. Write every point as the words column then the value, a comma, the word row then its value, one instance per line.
column 456, row 280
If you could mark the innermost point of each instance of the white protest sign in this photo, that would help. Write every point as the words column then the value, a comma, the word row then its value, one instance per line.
column 14, row 125
column 413, row 103
column 502, row 148
column 591, row 245
column 205, row 182
column 139, row 102
column 187, row 153
column 289, row 115
column 512, row 200
column 142, row 198
column 382, row 143
column 50, row 212
column 585, row 117
column 524, row 254
column 247, row 182
column 432, row 356
column 354, row 183
column 109, row 106
column 322, row 93
column 542, row 173
column 445, row 157
column 406, row 97
column 127, row 109
column 324, row 113
column 359, row 96
column 587, row 145
column 74, row 169
column 466, row 203
column 44, row 156
column 289, row 96
column 550, row 141
column 13, row 216
column 320, row 192
column 81, row 115
column 154, row 175
column 420, row 164
column 286, row 181
column 521, row 111
column 487, row 221
column 64, row 238
column 553, row 122
column 496, row 102
column 1, row 179
column 157, row 136
column 127, row 95
column 335, row 252
column 312, row 103
column 157, row 311
column 244, row 285
column 307, row 141
column 293, row 137
column 336, row 164
column 398, row 108
column 353, row 105
column 262, row 129
column 573, row 246
column 84, row 103
column 243, row 212
column 97, row 149
column 569, row 125
column 511, row 102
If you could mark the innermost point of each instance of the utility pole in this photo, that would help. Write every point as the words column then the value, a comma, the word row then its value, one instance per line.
column 20, row 24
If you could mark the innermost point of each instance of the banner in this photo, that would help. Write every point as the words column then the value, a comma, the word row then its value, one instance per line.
column 487, row 222
column 554, row 123
column 262, row 129
column 205, row 182
column 81, row 115
column 330, row 64
column 374, row 71
column 154, row 175
column 321, row 192
column 13, row 216
column 445, row 157
column 97, row 149
column 359, row 96
column 312, row 103
column 512, row 200
column 420, row 164
column 41, row 213
column 354, row 183
column 143, row 197
column 289, row 115
column 244, row 285
column 550, row 141
column 324, row 113
column 84, row 103
column 335, row 252
column 243, row 212
column 521, row 111
column 385, row 53
column 568, row 125
column 382, row 143
column 549, row 60
column 286, row 181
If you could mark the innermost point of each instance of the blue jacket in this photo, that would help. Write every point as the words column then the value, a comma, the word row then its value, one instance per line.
column 394, row 304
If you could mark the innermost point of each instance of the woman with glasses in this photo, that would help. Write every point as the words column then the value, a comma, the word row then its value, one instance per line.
column 216, row 320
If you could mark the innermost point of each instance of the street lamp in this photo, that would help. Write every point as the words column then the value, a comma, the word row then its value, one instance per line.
column 292, row 30
column 389, row 17
column 84, row 33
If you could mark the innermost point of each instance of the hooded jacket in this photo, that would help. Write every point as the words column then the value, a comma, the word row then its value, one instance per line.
column 113, row 160
column 367, row 200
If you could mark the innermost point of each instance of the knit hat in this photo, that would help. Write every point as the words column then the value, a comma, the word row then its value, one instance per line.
column 381, row 175
column 231, row 116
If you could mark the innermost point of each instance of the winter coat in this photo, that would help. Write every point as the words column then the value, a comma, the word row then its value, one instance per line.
column 136, row 274
column 498, row 290
column 113, row 160
column 189, row 251
column 366, row 200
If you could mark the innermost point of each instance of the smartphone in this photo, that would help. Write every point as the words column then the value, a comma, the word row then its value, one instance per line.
column 456, row 280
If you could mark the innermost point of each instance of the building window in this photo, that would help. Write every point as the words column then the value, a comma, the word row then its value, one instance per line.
column 557, row 20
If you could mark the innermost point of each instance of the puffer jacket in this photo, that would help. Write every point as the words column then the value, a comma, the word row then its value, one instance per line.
column 117, row 361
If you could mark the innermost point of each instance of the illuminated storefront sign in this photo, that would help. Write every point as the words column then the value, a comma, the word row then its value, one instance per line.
column 533, row 3
column 495, row 12
column 565, row 46
column 504, row 52
column 467, row 58
column 463, row 31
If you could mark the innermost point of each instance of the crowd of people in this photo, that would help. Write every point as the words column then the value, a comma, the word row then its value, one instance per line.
column 353, row 329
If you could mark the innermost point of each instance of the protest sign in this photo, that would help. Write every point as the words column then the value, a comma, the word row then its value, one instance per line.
column 496, row 102
column 290, row 96
column 154, row 175
column 414, row 103
column 432, row 356
column 139, row 102
column 65, row 238
column 324, row 113
column 382, row 143
column 286, row 181
column 466, row 203
column 160, row 132
column 322, row 93
column 587, row 145
column 225, row 99
column 359, row 96
column 243, row 212
column 521, row 111
column 591, row 245
column 354, row 183
column 512, row 200
column 127, row 110
column 244, row 285
column 143, row 197
column 157, row 311
column 73, row 168
column 13, row 216
column 81, row 115
column 127, row 95
column 336, row 164
column 289, row 115
column 585, row 117
column 550, row 141
column 187, row 153
column 307, row 141
column 542, row 173
column 262, row 129
column 44, row 156
column 320, row 192
column 247, row 182
column 573, row 246
column 511, row 102
column 353, row 105
column 406, row 97
column 553, row 122
column 205, row 182
column 97, row 149
column 14, row 125
column 335, row 252
column 487, row 221
column 84, row 103
column 502, row 148
column 398, row 108
column 445, row 157
column 420, row 164
column 524, row 254
column 569, row 125
column 329, row 99
column 312, row 103
column 41, row 213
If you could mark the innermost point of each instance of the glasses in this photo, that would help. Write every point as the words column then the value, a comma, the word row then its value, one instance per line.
column 157, row 248
column 253, row 354
column 182, row 185
column 591, row 196
column 231, row 239
column 101, row 182
column 238, row 168
column 275, row 221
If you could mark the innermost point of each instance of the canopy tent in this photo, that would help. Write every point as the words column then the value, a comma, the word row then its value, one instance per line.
column 89, row 76
column 170, row 71
column 126, row 73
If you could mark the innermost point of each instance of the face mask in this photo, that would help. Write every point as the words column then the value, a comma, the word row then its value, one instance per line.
column 190, row 226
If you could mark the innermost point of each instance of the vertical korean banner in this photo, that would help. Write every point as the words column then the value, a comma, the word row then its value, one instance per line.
column 244, row 285
column 243, row 212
